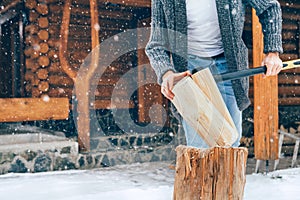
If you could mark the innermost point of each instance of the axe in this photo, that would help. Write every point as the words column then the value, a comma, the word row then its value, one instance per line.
column 253, row 71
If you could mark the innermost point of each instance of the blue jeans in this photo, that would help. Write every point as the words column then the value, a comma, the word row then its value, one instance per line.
column 216, row 66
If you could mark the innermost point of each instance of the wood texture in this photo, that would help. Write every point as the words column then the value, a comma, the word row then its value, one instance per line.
column 30, row 109
column 216, row 173
column 200, row 112
column 265, row 104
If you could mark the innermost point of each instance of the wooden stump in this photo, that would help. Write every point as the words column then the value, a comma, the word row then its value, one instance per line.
column 214, row 173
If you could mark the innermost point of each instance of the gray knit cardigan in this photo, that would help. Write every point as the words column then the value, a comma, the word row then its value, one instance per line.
column 167, row 47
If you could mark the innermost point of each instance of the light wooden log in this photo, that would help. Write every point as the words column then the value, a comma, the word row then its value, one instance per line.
column 43, row 61
column 43, row 22
column 42, row 8
column 32, row 39
column 29, row 75
column 35, row 81
column 200, row 112
column 31, row 4
column 55, row 67
column 32, row 64
column 44, row 47
column 43, row 34
column 210, row 89
column 43, row 86
column 107, row 104
column 31, row 109
column 265, row 103
column 42, row 74
column 60, row 80
column 35, row 92
column 60, row 92
column 217, row 173
column 33, row 16
column 31, row 29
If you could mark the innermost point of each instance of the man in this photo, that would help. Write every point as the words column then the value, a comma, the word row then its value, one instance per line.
column 213, row 30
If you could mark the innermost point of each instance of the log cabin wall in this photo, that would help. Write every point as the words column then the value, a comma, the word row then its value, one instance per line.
column 44, row 75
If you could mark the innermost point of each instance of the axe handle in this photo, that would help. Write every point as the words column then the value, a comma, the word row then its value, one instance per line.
column 242, row 73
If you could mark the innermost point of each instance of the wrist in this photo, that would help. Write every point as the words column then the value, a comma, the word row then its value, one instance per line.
column 273, row 53
column 167, row 74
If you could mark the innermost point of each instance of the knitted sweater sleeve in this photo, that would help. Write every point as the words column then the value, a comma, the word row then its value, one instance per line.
column 157, row 48
column 270, row 17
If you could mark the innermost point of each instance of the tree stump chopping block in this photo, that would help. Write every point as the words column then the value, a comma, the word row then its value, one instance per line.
column 217, row 173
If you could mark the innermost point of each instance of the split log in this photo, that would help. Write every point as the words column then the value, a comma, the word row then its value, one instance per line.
column 211, row 122
column 223, row 170
column 217, row 173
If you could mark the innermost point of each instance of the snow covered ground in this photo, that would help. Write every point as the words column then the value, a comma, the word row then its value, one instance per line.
column 149, row 181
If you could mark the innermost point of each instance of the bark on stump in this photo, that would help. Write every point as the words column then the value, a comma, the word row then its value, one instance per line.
column 217, row 173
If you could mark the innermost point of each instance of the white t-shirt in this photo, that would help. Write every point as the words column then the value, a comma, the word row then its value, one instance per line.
column 204, row 37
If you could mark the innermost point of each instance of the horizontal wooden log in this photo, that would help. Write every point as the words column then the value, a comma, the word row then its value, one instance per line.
column 31, row 109
column 44, row 47
column 31, row 29
column 60, row 80
column 289, row 35
column 284, row 79
column 42, row 8
column 60, row 92
column 43, row 61
column 284, row 91
column 43, row 22
column 42, row 74
column 32, row 39
column 289, row 26
column 31, row 4
column 215, row 173
column 43, row 86
column 85, row 12
column 103, row 3
column 55, row 68
column 32, row 64
column 107, row 104
column 43, row 34
column 289, row 101
column 33, row 16
column 35, row 92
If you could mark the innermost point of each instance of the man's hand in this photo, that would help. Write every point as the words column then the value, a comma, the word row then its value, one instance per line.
column 169, row 79
column 273, row 63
